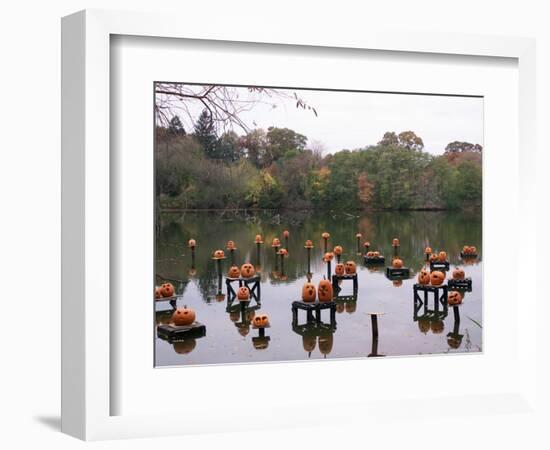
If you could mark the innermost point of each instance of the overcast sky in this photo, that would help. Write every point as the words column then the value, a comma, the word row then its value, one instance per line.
column 350, row 120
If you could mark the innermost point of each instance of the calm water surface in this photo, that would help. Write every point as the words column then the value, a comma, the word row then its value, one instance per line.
column 230, row 337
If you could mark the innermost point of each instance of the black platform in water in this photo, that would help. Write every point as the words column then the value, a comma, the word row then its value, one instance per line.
column 426, row 289
column 438, row 265
column 174, row 332
column 465, row 284
column 337, row 278
column 397, row 274
column 252, row 283
column 375, row 260
column 422, row 303
column 313, row 307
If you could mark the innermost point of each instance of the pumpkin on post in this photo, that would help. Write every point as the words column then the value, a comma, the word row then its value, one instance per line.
column 458, row 274
column 437, row 277
column 234, row 272
column 325, row 237
column 350, row 268
column 247, row 270
column 454, row 298
column 397, row 263
column 183, row 316
column 243, row 294
column 423, row 277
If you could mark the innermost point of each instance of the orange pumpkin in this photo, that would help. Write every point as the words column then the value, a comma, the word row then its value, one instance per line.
column 264, row 318
column 157, row 292
column 183, row 316
column 233, row 272
column 247, row 270
column 370, row 254
column 366, row 244
column 325, row 235
column 397, row 263
column 428, row 250
column 325, row 291
column 358, row 235
column 283, row 252
column 218, row 254
column 350, row 267
column 376, row 254
column 257, row 322
column 275, row 242
column 351, row 307
column 192, row 243
column 230, row 245
column 339, row 269
column 326, row 341
column 424, row 325
column 397, row 283
column 338, row 250
column 328, row 257
column 258, row 239
column 243, row 293
column 423, row 277
column 458, row 274
column 309, row 292
column 473, row 250
column 454, row 298
column 395, row 242
column 308, row 244
column 433, row 257
column 437, row 277
column 167, row 290
column 286, row 233
column 442, row 256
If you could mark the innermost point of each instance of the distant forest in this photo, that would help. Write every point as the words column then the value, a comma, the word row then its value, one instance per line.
column 279, row 168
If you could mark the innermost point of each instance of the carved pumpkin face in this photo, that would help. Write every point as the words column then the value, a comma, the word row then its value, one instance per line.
column 442, row 256
column 395, row 242
column 264, row 320
column 473, row 250
column 309, row 343
column 370, row 254
column 350, row 267
column 308, row 244
column 275, row 242
column 257, row 322
column 340, row 308
column 366, row 244
column 247, row 270
column 397, row 283
column 219, row 254
column 325, row 291
column 243, row 293
column 328, row 257
column 167, row 290
column 234, row 316
column 157, row 292
column 338, row 250
column 230, row 245
column 325, row 235
column 234, row 272
column 183, row 316
column 397, row 263
column 454, row 298
column 258, row 239
column 243, row 329
column 428, row 250
column 458, row 274
column 184, row 347
column 309, row 292
column 286, row 233
column 423, row 277
column 283, row 252
column 192, row 243
column 326, row 341
column 376, row 254
column 339, row 269
column 433, row 257
column 437, row 278
column 437, row 326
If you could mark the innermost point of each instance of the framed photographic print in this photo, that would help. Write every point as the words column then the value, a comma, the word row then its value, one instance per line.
column 294, row 212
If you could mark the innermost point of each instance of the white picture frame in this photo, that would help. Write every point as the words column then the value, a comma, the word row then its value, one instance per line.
column 87, row 355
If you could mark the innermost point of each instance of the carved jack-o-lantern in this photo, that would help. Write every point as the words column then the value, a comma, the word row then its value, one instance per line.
column 437, row 277
column 397, row 263
column 433, row 257
column 442, row 256
column 308, row 244
column 286, row 233
column 258, row 239
column 167, row 290
column 192, row 243
column 247, row 270
column 454, row 298
column 325, row 235
column 366, row 244
column 283, row 252
column 338, row 250
column 423, row 277
column 234, row 272
column 350, row 267
column 309, row 292
column 473, row 250
column 458, row 274
column 157, row 292
column 218, row 254
column 397, row 283
column 339, row 269
column 183, row 316
column 370, row 254
column 325, row 291
column 230, row 245
column 351, row 307
column 395, row 242
column 243, row 293
column 259, row 321
column 264, row 318
column 424, row 325
column 428, row 250
column 376, row 254
column 275, row 242
column 328, row 257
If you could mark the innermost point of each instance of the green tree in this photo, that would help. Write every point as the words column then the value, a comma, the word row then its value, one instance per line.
column 175, row 127
column 205, row 133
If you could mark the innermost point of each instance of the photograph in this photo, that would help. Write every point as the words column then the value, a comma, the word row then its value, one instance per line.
column 305, row 223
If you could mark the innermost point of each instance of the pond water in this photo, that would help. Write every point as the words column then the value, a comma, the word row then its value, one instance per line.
column 402, row 329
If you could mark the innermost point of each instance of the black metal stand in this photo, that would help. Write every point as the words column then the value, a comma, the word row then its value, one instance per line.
column 173, row 333
column 374, row 260
column 461, row 285
column 440, row 294
column 337, row 278
column 252, row 283
column 397, row 274
column 314, row 307
column 438, row 265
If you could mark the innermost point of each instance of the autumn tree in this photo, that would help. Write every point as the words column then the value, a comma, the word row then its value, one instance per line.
column 405, row 139
column 460, row 147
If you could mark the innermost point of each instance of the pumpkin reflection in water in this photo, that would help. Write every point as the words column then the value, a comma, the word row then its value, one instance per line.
column 243, row 329
column 437, row 326
column 184, row 347
column 397, row 283
column 424, row 325
column 157, row 292
column 234, row 316
column 309, row 342
column 340, row 308
column 454, row 341
column 326, row 342
column 260, row 343
column 351, row 307
column 433, row 257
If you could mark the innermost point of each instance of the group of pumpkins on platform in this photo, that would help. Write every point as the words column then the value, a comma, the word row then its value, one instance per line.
column 247, row 270
column 165, row 290
column 324, row 291
column 469, row 250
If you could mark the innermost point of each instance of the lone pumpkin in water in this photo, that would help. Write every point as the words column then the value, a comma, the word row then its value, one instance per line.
column 309, row 292
column 308, row 244
column 423, row 277
column 442, row 256
column 437, row 278
column 339, row 269
column 247, row 270
column 395, row 242
column 233, row 272
column 167, row 290
column 397, row 263
column 458, row 274
column 328, row 257
column 350, row 267
column 192, row 243
column 454, row 298
column 243, row 294
column 428, row 250
column 218, row 254
column 338, row 250
column 325, row 291
column 183, row 316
